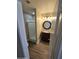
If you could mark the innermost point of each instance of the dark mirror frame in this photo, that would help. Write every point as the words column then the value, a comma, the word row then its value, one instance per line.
column 49, row 26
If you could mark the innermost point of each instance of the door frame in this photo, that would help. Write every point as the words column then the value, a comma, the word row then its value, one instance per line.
column 21, row 30
column 53, row 37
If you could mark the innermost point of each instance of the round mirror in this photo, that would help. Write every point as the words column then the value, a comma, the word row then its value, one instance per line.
column 47, row 25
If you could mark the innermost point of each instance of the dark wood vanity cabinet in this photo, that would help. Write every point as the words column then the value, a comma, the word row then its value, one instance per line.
column 45, row 36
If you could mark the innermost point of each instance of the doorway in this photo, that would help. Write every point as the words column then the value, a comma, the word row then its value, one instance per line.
column 40, row 20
